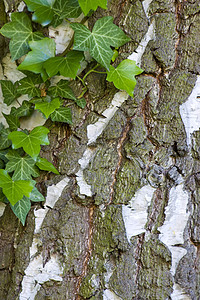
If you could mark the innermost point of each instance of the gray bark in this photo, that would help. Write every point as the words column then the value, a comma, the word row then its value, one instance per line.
column 122, row 219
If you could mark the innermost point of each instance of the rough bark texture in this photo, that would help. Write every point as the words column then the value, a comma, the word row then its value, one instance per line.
column 141, row 165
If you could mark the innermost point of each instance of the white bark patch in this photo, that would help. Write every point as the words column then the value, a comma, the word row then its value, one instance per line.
column 171, row 232
column 62, row 35
column 137, row 54
column 179, row 294
column 190, row 111
column 94, row 130
column 2, row 208
column 146, row 4
column 109, row 295
column 36, row 274
column 135, row 214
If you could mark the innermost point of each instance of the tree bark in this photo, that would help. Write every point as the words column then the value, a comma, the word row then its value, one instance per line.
column 122, row 219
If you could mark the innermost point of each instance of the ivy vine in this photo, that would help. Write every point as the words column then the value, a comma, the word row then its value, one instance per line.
column 20, row 159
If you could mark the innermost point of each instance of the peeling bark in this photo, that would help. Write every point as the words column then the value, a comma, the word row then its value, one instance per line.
column 121, row 222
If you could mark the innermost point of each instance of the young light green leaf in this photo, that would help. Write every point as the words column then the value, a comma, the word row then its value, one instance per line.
column 20, row 32
column 9, row 91
column 67, row 66
column 44, row 164
column 27, row 86
column 30, row 142
column 104, row 35
column 4, row 141
column 23, row 167
column 48, row 107
column 36, row 196
column 13, row 121
column 62, row 114
column 24, row 110
column 63, row 90
column 21, row 209
column 87, row 5
column 14, row 190
column 41, row 51
column 123, row 76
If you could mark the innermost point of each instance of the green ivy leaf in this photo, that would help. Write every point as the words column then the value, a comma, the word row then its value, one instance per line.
column 14, row 190
column 23, row 167
column 62, row 114
column 2, row 196
column 63, row 90
column 21, row 209
column 9, row 91
column 4, row 141
column 98, row 42
column 87, row 5
column 20, row 32
column 41, row 51
column 36, row 196
column 47, row 107
column 64, row 9
column 81, row 102
column 123, row 76
column 44, row 164
column 27, row 86
column 30, row 142
column 51, row 11
column 13, row 121
column 24, row 110
column 67, row 66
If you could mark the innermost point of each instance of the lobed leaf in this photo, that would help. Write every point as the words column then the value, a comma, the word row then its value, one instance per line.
column 67, row 66
column 27, row 86
column 14, row 190
column 30, row 142
column 20, row 32
column 9, row 91
column 23, row 167
column 104, row 35
column 123, row 76
column 48, row 107
column 13, row 121
column 62, row 114
column 4, row 141
column 87, row 5
column 62, row 89
column 41, row 51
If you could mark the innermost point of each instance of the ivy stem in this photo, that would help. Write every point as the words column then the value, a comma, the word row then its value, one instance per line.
column 90, row 71
column 82, row 94
column 82, row 80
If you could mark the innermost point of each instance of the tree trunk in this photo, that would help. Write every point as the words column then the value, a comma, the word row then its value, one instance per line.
column 122, row 219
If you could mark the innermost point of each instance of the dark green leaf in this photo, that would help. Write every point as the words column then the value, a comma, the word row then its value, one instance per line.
column 24, row 110
column 21, row 209
column 4, row 141
column 20, row 32
column 9, row 91
column 1, row 164
column 14, row 190
column 23, row 167
column 104, row 35
column 48, row 107
column 27, row 86
column 43, row 10
column 62, row 89
column 64, row 9
column 62, row 114
column 87, row 5
column 13, row 121
column 36, row 196
column 67, row 66
column 41, row 51
column 44, row 164
column 2, row 196
column 81, row 102
column 123, row 76
column 30, row 143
